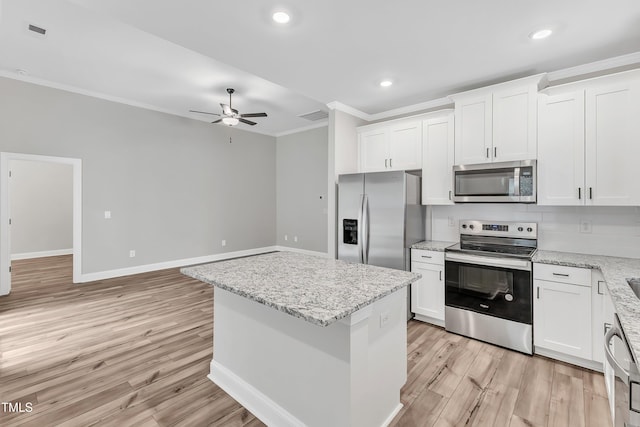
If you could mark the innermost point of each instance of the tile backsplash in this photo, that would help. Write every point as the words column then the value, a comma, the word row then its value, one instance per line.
column 613, row 231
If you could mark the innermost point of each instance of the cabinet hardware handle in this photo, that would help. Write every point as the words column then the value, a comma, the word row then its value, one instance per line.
column 579, row 193
column 426, row 256
column 560, row 274
column 441, row 275
column 538, row 292
column 385, row 162
column 390, row 163
column 495, row 152
column 599, row 293
column 590, row 193
column 449, row 194
column 487, row 152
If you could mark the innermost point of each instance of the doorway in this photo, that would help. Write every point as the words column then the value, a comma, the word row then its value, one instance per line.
column 5, row 220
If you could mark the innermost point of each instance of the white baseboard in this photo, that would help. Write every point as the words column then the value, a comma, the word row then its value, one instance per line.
column 41, row 254
column 392, row 415
column 109, row 274
column 265, row 409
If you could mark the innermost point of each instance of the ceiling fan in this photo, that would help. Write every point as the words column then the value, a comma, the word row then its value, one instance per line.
column 231, row 116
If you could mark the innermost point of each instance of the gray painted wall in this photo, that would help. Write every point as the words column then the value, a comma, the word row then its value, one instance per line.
column 301, row 181
column 41, row 204
column 175, row 187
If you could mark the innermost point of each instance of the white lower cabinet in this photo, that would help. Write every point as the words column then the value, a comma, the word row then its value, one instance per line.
column 562, row 318
column 427, row 294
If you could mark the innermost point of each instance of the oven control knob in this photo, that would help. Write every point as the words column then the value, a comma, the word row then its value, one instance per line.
column 464, row 225
column 529, row 229
column 520, row 229
column 471, row 226
column 508, row 297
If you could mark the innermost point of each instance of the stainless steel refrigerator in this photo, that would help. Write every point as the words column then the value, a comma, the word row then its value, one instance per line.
column 380, row 216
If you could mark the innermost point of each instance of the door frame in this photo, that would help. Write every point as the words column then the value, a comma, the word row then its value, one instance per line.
column 5, row 234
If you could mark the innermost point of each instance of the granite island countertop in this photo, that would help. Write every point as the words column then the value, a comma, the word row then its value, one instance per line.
column 317, row 289
column 616, row 271
column 432, row 245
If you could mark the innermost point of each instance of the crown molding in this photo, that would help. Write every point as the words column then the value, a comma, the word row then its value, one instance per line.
column 337, row 105
column 632, row 59
column 422, row 106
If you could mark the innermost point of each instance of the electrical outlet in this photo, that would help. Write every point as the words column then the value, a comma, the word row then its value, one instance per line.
column 107, row 214
column 384, row 318
column 286, row 237
column 132, row 253
column 295, row 238
column 585, row 226
column 224, row 243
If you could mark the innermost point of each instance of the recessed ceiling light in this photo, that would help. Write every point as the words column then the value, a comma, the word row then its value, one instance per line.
column 281, row 17
column 541, row 34
column 386, row 83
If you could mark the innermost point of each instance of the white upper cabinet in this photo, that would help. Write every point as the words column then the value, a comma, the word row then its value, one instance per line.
column 588, row 135
column 613, row 143
column 473, row 132
column 390, row 146
column 437, row 160
column 498, row 123
column 561, row 149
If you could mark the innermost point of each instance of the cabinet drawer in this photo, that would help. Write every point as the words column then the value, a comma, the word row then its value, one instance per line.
column 431, row 257
column 563, row 274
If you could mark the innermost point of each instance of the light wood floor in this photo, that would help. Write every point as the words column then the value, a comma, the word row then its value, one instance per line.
column 135, row 351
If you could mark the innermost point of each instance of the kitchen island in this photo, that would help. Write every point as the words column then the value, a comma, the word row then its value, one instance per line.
column 306, row 340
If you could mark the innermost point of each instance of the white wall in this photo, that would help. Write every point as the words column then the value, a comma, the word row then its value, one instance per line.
column 615, row 231
column 175, row 187
column 301, row 190
column 41, row 208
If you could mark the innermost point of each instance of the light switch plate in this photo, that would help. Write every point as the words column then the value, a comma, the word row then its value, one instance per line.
column 107, row 214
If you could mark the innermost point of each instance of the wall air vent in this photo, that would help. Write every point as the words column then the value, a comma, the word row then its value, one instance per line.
column 314, row 116
column 38, row 30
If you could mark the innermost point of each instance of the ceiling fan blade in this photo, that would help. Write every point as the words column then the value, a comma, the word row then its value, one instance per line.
column 234, row 111
column 226, row 109
column 203, row 112
column 217, row 121
column 249, row 122
column 254, row 115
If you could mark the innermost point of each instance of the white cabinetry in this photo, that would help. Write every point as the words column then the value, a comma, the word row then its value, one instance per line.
column 396, row 146
column 498, row 123
column 427, row 294
column 562, row 311
column 602, row 315
column 437, row 160
column 587, row 142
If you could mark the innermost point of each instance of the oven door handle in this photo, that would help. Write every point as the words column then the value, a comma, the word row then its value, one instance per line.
column 513, row 264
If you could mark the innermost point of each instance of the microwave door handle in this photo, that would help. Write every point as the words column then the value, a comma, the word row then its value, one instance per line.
column 516, row 181
column 615, row 365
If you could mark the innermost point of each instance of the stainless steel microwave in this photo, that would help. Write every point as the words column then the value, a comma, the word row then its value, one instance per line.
column 500, row 182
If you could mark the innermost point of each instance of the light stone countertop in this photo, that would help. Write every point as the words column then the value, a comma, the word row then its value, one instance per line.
column 616, row 271
column 317, row 289
column 432, row 245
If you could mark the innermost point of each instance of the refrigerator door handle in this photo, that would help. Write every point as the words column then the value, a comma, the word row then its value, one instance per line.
column 365, row 228
column 361, row 230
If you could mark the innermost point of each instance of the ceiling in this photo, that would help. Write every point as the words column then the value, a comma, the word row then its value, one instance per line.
column 173, row 56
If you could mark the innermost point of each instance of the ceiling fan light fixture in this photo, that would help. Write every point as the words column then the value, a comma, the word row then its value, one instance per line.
column 281, row 17
column 230, row 121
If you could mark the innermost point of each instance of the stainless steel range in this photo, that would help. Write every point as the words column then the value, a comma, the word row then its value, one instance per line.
column 489, row 283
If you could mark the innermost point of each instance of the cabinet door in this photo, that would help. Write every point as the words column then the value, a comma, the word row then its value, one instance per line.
column 473, row 130
column 437, row 161
column 612, row 147
column 405, row 146
column 598, row 295
column 373, row 147
column 561, row 149
column 427, row 294
column 514, row 124
column 562, row 318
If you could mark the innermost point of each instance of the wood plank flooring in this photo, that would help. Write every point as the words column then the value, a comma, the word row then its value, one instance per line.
column 135, row 351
